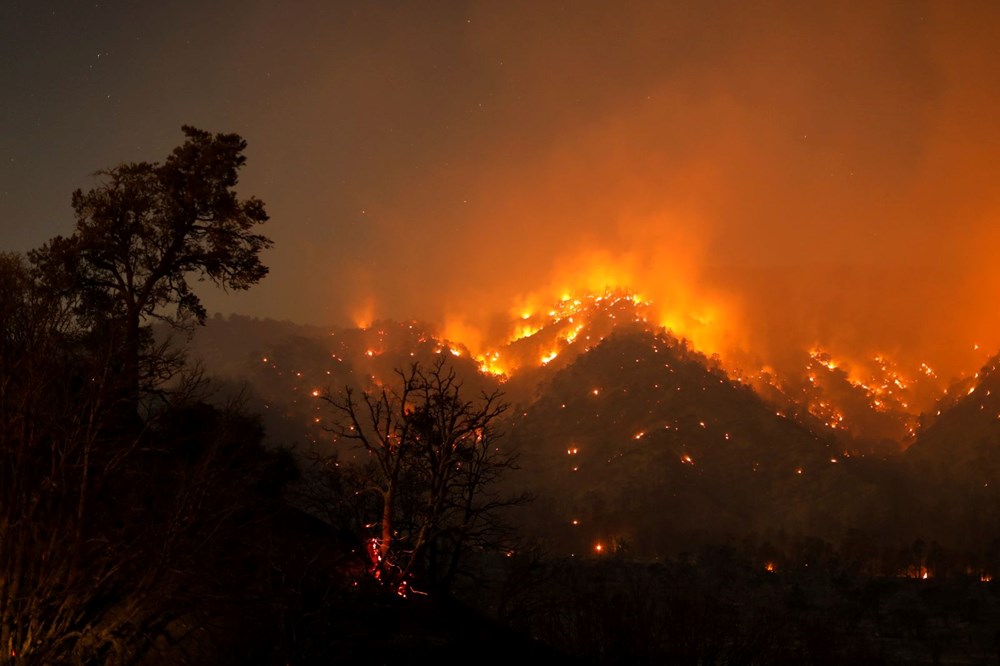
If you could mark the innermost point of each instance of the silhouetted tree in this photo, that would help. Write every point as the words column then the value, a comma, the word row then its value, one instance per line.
column 434, row 463
column 107, row 540
column 118, row 530
column 143, row 233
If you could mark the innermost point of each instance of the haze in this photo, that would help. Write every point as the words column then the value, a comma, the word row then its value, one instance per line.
column 772, row 175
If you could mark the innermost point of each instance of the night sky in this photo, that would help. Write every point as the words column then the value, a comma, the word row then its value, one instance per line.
column 773, row 175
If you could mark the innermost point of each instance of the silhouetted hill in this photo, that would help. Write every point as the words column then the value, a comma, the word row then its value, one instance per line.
column 642, row 444
column 956, row 460
column 964, row 438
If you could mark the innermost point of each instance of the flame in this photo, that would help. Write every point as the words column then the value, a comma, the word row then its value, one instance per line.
column 873, row 397
column 580, row 279
column 543, row 328
column 490, row 365
column 570, row 337
column 587, row 294
column 524, row 331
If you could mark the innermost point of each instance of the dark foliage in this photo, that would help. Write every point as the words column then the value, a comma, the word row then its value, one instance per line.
column 427, row 481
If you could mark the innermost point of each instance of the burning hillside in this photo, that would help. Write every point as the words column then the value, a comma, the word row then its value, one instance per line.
column 617, row 417
column 571, row 326
column 874, row 403
column 871, row 405
column 642, row 423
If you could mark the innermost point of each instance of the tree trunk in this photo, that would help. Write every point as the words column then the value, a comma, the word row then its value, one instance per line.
column 130, row 364
column 386, row 542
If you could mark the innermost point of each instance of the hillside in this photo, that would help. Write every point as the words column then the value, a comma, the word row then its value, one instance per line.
column 632, row 440
column 642, row 444
column 956, row 459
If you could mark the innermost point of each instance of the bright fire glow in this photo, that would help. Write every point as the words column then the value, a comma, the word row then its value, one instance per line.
column 873, row 397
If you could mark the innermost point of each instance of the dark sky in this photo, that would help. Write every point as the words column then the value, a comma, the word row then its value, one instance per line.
column 773, row 175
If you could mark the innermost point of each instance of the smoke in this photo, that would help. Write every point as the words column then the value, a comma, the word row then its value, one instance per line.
column 773, row 176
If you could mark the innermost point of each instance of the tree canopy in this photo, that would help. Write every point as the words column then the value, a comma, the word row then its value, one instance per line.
column 117, row 526
column 146, row 230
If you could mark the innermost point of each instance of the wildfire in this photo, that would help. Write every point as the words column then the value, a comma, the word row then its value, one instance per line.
column 839, row 392
column 574, row 322
column 869, row 396
column 524, row 331
column 873, row 397
column 822, row 358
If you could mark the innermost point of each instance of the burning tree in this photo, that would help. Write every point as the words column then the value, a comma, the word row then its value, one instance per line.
column 432, row 469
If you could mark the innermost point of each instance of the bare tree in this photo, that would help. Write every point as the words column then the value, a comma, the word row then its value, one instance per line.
column 433, row 461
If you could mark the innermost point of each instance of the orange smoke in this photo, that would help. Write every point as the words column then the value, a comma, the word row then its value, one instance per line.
column 769, row 179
